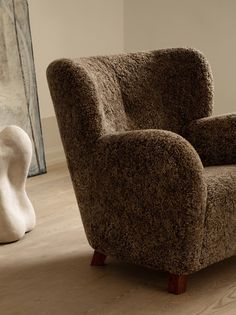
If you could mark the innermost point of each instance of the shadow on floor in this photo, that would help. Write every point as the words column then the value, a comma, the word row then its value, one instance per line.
column 69, row 285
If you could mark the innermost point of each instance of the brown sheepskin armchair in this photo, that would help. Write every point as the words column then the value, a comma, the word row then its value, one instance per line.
column 153, row 173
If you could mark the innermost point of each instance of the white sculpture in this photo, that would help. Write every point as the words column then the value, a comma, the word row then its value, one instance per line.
column 17, row 214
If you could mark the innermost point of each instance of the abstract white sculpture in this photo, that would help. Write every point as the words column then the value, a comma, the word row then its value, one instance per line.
column 17, row 214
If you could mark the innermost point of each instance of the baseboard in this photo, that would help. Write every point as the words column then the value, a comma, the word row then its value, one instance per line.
column 54, row 152
column 55, row 155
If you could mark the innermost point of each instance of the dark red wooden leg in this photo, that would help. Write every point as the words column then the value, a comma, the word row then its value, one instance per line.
column 98, row 259
column 177, row 284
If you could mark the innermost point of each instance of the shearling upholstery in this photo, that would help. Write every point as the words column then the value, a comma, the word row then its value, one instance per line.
column 214, row 138
column 137, row 197
column 219, row 240
column 141, row 188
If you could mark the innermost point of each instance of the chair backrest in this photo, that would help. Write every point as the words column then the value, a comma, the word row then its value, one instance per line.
column 164, row 89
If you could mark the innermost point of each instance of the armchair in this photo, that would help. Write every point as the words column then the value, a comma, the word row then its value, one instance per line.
column 139, row 141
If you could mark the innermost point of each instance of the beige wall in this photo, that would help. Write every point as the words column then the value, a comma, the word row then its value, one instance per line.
column 72, row 28
column 208, row 25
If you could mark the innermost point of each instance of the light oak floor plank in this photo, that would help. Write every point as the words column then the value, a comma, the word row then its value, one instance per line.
column 48, row 271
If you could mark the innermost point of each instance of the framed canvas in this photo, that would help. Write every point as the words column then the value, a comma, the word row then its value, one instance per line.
column 18, row 91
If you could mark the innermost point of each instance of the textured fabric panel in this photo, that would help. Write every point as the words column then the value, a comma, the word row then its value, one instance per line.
column 108, row 92
column 220, row 218
column 164, row 89
column 214, row 138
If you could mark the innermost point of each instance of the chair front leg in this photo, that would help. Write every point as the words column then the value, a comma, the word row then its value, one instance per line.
column 177, row 284
column 98, row 259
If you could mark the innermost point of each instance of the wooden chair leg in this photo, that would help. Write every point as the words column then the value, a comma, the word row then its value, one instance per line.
column 177, row 284
column 98, row 259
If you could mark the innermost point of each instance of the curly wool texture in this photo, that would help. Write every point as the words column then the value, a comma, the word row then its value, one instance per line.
column 214, row 138
column 220, row 219
column 146, row 185
column 141, row 187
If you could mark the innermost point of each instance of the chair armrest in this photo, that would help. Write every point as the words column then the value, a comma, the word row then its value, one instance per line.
column 214, row 138
column 150, row 188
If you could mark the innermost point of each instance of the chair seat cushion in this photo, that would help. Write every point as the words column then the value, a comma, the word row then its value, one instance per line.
column 219, row 241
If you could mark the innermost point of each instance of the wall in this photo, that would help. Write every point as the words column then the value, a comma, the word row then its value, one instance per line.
column 208, row 25
column 89, row 27
column 70, row 29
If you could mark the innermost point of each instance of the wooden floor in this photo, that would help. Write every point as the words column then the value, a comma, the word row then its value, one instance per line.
column 48, row 272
